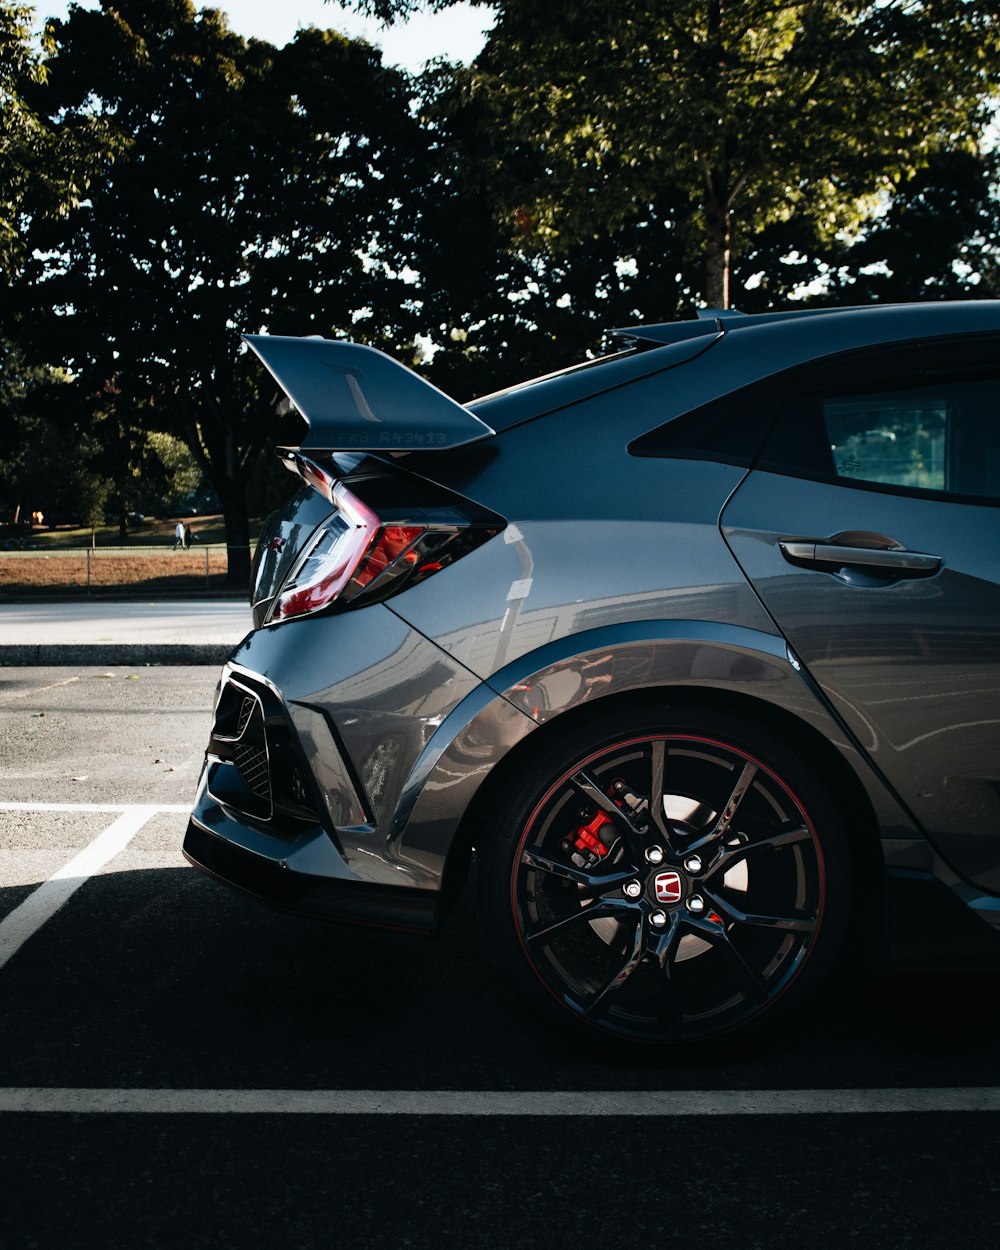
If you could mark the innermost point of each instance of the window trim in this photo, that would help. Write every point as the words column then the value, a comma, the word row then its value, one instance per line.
column 806, row 377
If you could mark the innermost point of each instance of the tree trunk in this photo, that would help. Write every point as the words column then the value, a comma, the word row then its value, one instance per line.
column 717, row 201
column 228, row 478
column 234, row 511
column 717, row 248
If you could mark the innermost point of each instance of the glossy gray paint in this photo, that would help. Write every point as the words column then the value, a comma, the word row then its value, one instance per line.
column 912, row 665
column 669, row 661
column 421, row 764
column 555, row 572
column 383, row 690
column 552, row 392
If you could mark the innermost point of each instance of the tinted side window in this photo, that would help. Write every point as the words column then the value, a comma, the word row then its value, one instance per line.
column 934, row 431
column 895, row 437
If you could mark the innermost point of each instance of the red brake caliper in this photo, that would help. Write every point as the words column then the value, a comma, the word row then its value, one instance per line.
column 585, row 845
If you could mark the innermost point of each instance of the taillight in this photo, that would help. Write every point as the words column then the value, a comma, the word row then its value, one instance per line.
column 330, row 560
column 356, row 556
column 394, row 541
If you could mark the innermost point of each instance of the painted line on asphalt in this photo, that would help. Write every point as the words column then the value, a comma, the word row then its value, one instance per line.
column 23, row 694
column 487, row 1103
column 41, row 904
column 153, row 808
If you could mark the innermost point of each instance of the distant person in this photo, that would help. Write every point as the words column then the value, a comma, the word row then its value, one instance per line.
column 189, row 536
column 180, row 536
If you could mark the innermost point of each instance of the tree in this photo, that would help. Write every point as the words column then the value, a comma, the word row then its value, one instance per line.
column 43, row 174
column 124, row 455
column 254, row 190
column 49, row 462
column 498, row 313
column 30, row 441
column 938, row 238
column 179, row 482
column 759, row 113
column 43, row 170
column 86, row 487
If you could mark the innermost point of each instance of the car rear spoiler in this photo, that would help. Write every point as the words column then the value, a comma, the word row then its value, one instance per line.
column 355, row 398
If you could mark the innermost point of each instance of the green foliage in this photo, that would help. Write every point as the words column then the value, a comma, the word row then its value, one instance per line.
column 939, row 238
column 180, row 476
column 761, row 113
column 255, row 190
column 86, row 488
column 936, row 237
column 389, row 11
column 500, row 313
column 43, row 171
column 30, row 442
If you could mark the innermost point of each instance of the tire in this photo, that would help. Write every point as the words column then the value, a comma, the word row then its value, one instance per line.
column 662, row 881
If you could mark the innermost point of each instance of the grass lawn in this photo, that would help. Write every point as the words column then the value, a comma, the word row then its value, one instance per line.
column 152, row 532
column 60, row 560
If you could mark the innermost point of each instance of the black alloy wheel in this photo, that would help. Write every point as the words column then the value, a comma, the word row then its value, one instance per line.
column 668, row 880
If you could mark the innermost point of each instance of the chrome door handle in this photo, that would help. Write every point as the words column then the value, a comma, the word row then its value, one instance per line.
column 825, row 554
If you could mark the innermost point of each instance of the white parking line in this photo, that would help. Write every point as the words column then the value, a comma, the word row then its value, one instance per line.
column 23, row 694
column 486, row 1103
column 28, row 917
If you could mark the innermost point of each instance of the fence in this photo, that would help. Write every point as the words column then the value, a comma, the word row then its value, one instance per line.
column 85, row 570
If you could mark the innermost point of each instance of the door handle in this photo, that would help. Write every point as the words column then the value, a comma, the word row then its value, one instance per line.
column 822, row 554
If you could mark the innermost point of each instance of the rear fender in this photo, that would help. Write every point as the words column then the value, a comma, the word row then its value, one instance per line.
column 560, row 683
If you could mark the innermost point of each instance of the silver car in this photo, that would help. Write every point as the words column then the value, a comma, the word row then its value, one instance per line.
column 695, row 646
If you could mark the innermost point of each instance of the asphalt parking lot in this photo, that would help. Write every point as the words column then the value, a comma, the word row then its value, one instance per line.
column 182, row 1067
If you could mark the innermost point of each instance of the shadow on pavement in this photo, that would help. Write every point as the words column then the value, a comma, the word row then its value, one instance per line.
column 165, row 978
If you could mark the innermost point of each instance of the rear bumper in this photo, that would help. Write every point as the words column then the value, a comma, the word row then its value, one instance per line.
column 317, row 728
column 269, row 879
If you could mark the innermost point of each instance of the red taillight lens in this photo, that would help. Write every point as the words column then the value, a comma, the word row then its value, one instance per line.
column 393, row 543
column 355, row 556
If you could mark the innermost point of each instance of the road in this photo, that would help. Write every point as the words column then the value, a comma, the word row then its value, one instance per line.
column 183, row 1068
column 88, row 632
column 222, row 621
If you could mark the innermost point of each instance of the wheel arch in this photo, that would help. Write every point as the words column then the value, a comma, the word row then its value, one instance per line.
column 801, row 735
column 661, row 663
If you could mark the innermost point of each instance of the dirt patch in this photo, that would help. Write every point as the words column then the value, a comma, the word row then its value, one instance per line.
column 80, row 572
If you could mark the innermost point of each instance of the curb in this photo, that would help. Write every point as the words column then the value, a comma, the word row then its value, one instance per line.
column 123, row 596
column 110, row 653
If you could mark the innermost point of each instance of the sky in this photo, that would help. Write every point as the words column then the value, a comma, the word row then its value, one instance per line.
column 456, row 33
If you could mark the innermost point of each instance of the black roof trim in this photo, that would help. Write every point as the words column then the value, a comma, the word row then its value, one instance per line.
column 726, row 320
column 669, row 331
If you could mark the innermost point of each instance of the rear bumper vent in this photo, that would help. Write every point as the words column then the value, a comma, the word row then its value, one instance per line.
column 251, row 764
column 254, row 763
column 249, row 706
